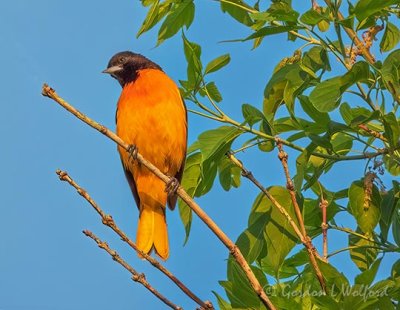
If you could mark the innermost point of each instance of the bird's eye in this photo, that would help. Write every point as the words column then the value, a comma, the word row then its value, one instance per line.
column 122, row 60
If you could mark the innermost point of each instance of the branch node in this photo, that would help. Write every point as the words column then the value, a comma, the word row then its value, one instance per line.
column 108, row 220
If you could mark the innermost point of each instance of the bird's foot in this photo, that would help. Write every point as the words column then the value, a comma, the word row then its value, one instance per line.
column 172, row 186
column 132, row 151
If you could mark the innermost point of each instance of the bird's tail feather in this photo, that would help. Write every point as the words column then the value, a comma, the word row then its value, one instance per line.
column 152, row 231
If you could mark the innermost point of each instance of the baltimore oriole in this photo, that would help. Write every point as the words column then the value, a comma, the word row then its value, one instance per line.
column 151, row 116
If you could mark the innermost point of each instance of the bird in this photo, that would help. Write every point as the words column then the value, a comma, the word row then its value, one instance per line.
column 151, row 117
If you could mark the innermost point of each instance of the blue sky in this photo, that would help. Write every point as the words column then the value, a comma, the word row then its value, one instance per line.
column 45, row 261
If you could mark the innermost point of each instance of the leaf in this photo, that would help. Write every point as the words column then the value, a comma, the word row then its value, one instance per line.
column 368, row 276
column 388, row 205
column 181, row 15
column 229, row 174
column 391, row 73
column 237, row 9
column 334, row 279
column 279, row 235
column 392, row 163
column 213, row 92
column 278, row 11
column 252, row 115
column 190, row 182
column 222, row 304
column 270, row 30
column 312, row 17
column 194, row 66
column 155, row 14
column 217, row 63
column 326, row 96
column 363, row 256
column 390, row 38
column 367, row 216
column 392, row 129
column 240, row 292
column 216, row 142
column 367, row 8
column 316, row 59
column 251, row 241
column 396, row 226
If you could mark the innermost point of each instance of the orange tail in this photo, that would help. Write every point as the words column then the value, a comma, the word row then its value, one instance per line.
column 152, row 231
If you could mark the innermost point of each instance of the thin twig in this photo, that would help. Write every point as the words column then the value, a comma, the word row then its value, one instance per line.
column 283, row 157
column 136, row 276
column 373, row 133
column 109, row 221
column 353, row 36
column 324, row 226
column 304, row 239
column 230, row 245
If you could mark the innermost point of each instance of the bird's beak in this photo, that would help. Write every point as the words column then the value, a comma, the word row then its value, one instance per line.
column 112, row 70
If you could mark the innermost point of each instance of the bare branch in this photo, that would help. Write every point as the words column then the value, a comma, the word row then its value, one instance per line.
column 109, row 221
column 303, row 238
column 137, row 277
column 230, row 245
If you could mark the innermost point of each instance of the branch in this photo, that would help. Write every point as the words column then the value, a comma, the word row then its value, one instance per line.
column 303, row 238
column 353, row 36
column 109, row 221
column 373, row 133
column 137, row 277
column 324, row 225
column 233, row 249
column 283, row 157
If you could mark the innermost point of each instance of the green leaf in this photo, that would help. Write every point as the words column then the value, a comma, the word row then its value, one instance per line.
column 190, row 182
column 240, row 292
column 194, row 66
column 251, row 114
column 368, row 276
column 222, row 304
column 326, row 96
column 279, row 235
column 363, row 255
column 270, row 30
column 229, row 174
column 388, row 205
column 278, row 11
column 316, row 59
column 367, row 8
column 237, row 9
column 392, row 129
column 396, row 226
column 155, row 14
column 217, row 63
column 392, row 163
column 213, row 91
column 335, row 280
column 216, row 142
column 391, row 73
column 312, row 17
column 251, row 241
column 341, row 143
column 181, row 15
column 364, row 207
column 390, row 38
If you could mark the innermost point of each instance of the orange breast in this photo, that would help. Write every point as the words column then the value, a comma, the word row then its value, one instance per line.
column 151, row 115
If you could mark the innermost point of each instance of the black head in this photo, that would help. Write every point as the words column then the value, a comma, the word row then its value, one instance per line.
column 124, row 66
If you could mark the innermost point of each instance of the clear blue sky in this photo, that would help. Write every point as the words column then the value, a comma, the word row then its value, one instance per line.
column 45, row 261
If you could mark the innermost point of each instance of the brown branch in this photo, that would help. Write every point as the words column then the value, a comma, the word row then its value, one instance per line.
column 305, row 240
column 230, row 245
column 109, row 221
column 324, row 226
column 137, row 277
column 373, row 133
column 353, row 36
column 283, row 157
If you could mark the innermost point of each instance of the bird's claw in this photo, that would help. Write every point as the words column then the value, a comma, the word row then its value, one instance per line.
column 132, row 151
column 172, row 186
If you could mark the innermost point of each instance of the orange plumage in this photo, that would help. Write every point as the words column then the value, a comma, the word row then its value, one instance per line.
column 152, row 116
